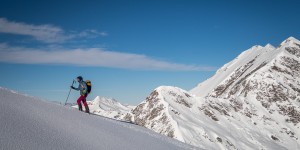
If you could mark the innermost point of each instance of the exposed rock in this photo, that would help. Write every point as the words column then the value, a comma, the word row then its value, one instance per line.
column 274, row 138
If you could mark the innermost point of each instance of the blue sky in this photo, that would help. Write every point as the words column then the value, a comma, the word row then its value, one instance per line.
column 128, row 48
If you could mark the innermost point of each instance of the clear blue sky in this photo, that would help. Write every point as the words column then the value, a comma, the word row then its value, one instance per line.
column 128, row 48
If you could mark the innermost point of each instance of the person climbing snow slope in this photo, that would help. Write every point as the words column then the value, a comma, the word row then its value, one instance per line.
column 82, row 87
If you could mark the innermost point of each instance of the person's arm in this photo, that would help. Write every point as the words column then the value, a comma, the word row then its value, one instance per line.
column 77, row 89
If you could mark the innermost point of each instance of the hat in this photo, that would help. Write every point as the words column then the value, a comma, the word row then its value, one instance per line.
column 80, row 78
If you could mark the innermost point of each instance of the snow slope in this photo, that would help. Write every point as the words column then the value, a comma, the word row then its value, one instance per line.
column 29, row 123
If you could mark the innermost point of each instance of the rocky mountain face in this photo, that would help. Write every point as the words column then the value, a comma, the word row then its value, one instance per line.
column 253, row 102
column 158, row 110
column 270, row 76
column 265, row 89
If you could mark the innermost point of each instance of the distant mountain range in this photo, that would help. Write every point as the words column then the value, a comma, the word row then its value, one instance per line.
column 252, row 102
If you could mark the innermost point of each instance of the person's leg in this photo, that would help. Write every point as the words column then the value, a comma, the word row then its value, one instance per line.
column 87, row 109
column 79, row 102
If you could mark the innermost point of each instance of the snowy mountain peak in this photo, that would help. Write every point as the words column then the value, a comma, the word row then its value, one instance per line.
column 105, row 100
column 269, row 46
column 292, row 39
column 251, row 58
column 290, row 42
column 108, row 107
column 157, row 112
column 256, row 47
column 174, row 96
column 262, row 85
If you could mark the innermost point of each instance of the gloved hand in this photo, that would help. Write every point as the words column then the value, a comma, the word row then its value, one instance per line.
column 72, row 87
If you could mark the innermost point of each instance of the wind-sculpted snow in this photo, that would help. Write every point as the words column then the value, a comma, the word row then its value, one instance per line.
column 30, row 124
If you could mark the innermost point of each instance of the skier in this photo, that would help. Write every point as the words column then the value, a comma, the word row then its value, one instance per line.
column 82, row 87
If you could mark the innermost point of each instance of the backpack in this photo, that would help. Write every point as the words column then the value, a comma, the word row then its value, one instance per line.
column 89, row 86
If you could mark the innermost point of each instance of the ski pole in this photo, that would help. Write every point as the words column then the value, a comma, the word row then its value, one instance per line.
column 69, row 92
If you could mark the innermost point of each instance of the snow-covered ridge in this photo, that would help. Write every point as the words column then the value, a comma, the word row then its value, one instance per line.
column 109, row 107
column 12, row 91
column 157, row 111
column 245, row 62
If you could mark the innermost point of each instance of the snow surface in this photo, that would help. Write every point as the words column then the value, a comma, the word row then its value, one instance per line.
column 29, row 123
